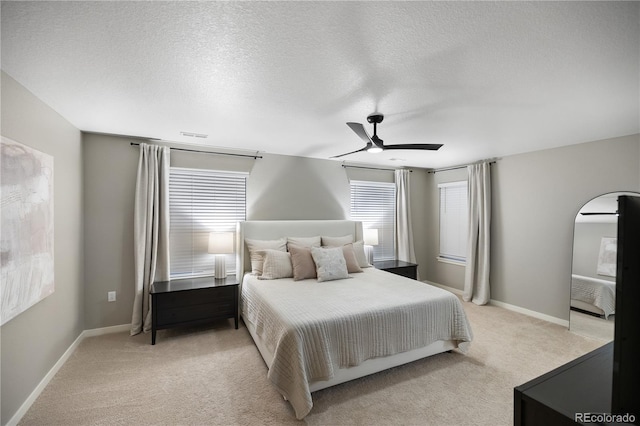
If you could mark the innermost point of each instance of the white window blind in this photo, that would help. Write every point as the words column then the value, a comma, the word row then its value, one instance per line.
column 202, row 201
column 374, row 204
column 453, row 220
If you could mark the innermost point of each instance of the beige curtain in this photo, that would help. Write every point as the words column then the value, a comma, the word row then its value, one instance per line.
column 151, row 230
column 476, row 279
column 404, row 234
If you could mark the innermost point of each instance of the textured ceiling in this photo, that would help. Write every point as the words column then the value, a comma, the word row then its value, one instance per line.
column 486, row 79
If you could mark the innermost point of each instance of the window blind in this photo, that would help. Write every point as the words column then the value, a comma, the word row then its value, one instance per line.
column 453, row 220
column 202, row 201
column 374, row 204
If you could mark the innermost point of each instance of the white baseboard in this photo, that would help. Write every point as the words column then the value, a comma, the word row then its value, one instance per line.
column 13, row 421
column 106, row 330
column 534, row 314
column 444, row 287
column 514, row 308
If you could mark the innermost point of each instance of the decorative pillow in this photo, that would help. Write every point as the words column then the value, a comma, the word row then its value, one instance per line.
column 277, row 264
column 350, row 259
column 256, row 245
column 361, row 257
column 337, row 241
column 330, row 263
column 303, row 265
column 304, row 241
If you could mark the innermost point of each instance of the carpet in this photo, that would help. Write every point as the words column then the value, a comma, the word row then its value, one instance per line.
column 214, row 375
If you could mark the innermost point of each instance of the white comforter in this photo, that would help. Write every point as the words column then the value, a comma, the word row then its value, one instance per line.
column 600, row 293
column 315, row 327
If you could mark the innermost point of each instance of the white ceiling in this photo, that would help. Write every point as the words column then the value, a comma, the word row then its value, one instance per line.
column 486, row 79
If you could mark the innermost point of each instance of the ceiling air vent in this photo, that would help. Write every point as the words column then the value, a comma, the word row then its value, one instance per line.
column 194, row 135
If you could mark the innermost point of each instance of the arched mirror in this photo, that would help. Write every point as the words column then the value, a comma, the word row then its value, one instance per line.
column 593, row 272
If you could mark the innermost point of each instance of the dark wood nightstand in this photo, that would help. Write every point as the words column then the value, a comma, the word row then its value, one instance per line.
column 398, row 267
column 192, row 301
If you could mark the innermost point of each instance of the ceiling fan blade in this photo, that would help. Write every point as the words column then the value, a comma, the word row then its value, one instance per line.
column 422, row 146
column 353, row 152
column 598, row 213
column 358, row 128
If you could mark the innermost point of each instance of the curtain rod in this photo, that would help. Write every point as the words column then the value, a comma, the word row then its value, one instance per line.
column 255, row 156
column 454, row 168
column 372, row 168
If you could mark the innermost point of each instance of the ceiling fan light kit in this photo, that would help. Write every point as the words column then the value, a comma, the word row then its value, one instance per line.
column 374, row 144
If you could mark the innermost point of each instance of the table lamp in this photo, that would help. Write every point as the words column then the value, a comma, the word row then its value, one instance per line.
column 370, row 239
column 220, row 244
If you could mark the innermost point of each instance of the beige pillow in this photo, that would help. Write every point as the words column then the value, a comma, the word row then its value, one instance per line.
column 277, row 264
column 303, row 265
column 304, row 241
column 336, row 241
column 330, row 263
column 361, row 256
column 256, row 245
column 350, row 258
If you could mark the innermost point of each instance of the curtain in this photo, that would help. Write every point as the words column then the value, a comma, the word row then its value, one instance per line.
column 476, row 278
column 150, row 229
column 404, row 233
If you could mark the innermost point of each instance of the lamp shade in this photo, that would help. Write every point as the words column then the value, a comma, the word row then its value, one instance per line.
column 220, row 242
column 370, row 237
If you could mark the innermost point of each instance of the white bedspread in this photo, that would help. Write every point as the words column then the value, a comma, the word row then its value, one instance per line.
column 313, row 328
column 600, row 293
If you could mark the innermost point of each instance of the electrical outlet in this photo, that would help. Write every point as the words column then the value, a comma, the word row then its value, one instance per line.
column 111, row 296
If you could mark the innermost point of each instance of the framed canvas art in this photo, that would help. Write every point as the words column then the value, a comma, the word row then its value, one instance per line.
column 607, row 256
column 26, row 227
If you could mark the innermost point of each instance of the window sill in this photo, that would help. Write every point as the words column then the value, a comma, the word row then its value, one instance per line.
column 451, row 261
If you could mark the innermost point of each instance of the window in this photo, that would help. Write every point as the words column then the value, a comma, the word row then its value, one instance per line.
column 374, row 204
column 453, row 221
column 202, row 201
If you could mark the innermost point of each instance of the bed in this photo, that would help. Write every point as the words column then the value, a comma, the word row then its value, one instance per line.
column 313, row 335
column 593, row 295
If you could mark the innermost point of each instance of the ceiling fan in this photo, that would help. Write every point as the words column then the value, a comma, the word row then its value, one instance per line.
column 374, row 144
column 598, row 213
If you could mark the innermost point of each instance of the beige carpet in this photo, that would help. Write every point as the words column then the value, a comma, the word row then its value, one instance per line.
column 214, row 376
column 592, row 326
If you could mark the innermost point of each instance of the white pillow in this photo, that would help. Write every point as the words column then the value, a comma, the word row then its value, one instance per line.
column 330, row 263
column 304, row 241
column 337, row 241
column 277, row 264
column 361, row 256
column 256, row 245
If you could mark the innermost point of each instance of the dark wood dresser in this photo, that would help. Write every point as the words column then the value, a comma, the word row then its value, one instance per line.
column 192, row 301
column 566, row 395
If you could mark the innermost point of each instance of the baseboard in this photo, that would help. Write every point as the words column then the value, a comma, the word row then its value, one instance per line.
column 514, row 308
column 444, row 287
column 13, row 421
column 106, row 330
column 534, row 314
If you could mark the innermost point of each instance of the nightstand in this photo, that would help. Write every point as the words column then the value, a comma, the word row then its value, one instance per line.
column 398, row 267
column 192, row 301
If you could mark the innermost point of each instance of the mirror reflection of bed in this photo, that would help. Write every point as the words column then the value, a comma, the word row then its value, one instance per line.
column 593, row 274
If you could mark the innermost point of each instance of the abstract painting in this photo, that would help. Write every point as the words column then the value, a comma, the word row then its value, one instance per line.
column 607, row 257
column 26, row 227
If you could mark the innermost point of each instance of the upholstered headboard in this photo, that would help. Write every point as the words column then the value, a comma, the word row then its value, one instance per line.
column 274, row 229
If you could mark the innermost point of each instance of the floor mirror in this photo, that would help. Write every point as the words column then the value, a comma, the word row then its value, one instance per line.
column 593, row 272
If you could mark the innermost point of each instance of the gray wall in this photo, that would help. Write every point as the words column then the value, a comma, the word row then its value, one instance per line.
column 536, row 197
column 33, row 341
column 279, row 187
